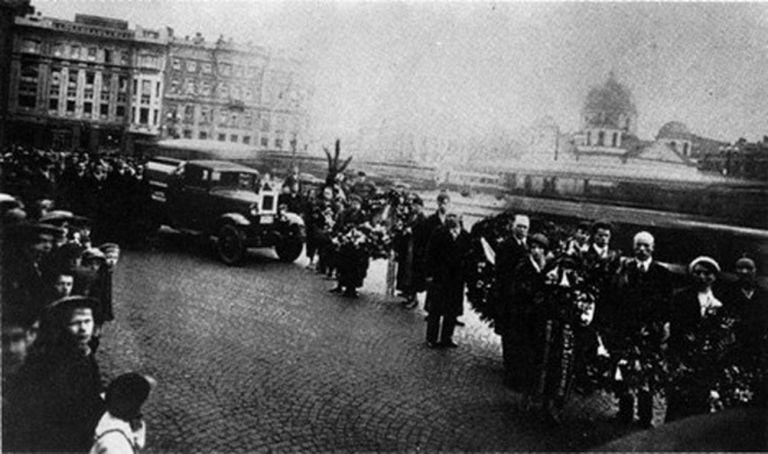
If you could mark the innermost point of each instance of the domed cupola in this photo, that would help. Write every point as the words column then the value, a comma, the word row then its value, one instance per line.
column 677, row 136
column 609, row 114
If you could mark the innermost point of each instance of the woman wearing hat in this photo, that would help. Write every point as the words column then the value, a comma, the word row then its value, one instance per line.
column 521, row 321
column 700, row 338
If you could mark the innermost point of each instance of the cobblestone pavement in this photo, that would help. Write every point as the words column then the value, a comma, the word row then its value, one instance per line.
column 262, row 358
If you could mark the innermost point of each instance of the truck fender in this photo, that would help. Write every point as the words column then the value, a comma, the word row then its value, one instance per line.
column 233, row 218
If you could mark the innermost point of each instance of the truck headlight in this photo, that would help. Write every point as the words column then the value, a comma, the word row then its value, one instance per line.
column 254, row 209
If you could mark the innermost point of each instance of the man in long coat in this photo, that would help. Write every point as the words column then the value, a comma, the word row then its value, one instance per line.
column 511, row 253
column 445, row 276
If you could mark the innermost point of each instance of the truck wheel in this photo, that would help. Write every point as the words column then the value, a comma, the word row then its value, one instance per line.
column 289, row 249
column 230, row 245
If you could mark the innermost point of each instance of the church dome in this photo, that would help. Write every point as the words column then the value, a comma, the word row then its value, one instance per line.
column 611, row 97
column 674, row 130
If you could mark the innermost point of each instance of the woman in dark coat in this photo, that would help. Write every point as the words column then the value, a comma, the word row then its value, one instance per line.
column 410, row 272
column 353, row 259
column 445, row 276
column 521, row 318
column 701, row 344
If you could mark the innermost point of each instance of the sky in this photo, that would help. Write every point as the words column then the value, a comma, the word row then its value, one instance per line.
column 466, row 69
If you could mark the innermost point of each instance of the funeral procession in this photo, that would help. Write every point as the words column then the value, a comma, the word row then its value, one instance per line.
column 352, row 226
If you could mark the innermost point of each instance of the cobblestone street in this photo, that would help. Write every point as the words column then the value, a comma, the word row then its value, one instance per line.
column 262, row 357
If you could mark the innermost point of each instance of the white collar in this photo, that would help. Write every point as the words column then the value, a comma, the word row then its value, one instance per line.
column 644, row 264
column 536, row 266
column 708, row 301
column 601, row 251
column 109, row 422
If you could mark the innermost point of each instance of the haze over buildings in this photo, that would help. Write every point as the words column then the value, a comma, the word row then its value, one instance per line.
column 468, row 70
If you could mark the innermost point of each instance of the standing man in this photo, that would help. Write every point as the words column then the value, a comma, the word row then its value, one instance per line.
column 362, row 187
column 422, row 232
column 511, row 254
column 445, row 275
column 640, row 309
column 601, row 263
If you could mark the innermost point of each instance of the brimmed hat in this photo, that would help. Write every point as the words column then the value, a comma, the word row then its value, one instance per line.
column 706, row 261
column 110, row 250
column 93, row 254
column 746, row 262
column 69, row 303
column 35, row 232
column 540, row 239
column 355, row 198
column 127, row 393
column 59, row 217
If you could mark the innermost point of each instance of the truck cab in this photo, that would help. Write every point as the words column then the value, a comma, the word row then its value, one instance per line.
column 225, row 201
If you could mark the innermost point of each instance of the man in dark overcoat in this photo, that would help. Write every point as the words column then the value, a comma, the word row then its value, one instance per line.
column 445, row 275
column 511, row 253
column 640, row 307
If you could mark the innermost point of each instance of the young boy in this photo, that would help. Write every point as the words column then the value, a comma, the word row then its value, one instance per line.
column 121, row 429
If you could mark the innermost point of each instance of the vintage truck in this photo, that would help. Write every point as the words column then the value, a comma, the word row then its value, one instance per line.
column 225, row 202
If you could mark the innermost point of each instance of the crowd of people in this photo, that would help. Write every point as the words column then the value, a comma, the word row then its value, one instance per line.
column 56, row 301
column 572, row 312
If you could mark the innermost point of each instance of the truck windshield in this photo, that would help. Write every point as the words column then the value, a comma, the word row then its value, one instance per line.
column 239, row 180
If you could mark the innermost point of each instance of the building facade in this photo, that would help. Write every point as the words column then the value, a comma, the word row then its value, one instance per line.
column 71, row 81
column 95, row 84
column 236, row 93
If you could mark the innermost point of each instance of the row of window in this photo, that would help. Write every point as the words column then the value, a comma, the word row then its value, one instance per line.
column 91, row 53
column 232, row 119
column 206, row 88
column 88, row 109
column 600, row 139
column 224, row 69
column 235, row 138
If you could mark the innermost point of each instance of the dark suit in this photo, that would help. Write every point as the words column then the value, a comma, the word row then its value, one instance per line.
column 445, row 264
column 638, row 310
column 522, row 325
column 511, row 253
